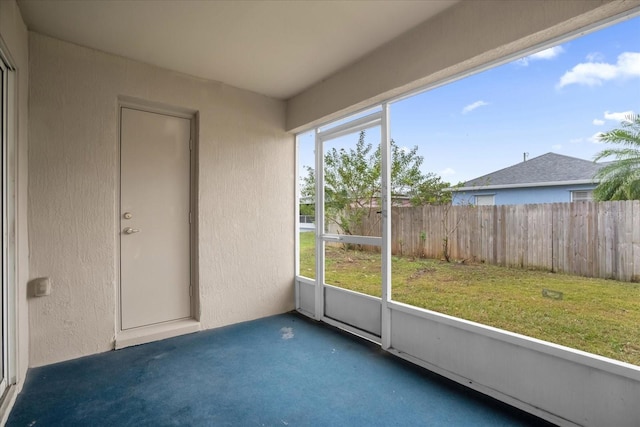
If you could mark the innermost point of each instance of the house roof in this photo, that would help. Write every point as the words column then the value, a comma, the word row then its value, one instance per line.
column 545, row 170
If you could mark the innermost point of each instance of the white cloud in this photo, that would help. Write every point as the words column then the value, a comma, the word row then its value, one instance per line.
column 557, row 147
column 546, row 54
column 598, row 122
column 447, row 172
column 595, row 73
column 469, row 108
column 576, row 140
column 590, row 74
column 595, row 138
column 550, row 53
column 618, row 117
column 595, row 57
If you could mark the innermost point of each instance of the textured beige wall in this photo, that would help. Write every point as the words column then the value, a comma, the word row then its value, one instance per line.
column 469, row 35
column 246, row 191
column 15, row 38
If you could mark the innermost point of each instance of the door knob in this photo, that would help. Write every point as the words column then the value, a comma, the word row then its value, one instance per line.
column 130, row 230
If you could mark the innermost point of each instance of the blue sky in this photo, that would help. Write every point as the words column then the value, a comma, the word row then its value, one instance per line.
column 557, row 100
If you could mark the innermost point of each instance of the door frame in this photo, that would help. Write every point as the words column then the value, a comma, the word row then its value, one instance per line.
column 125, row 338
column 363, row 309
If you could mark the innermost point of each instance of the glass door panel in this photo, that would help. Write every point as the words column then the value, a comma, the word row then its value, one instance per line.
column 306, row 205
column 352, row 211
column 352, row 185
column 354, row 270
column 3, row 203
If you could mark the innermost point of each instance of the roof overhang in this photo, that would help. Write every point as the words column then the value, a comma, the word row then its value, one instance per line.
column 524, row 185
column 276, row 48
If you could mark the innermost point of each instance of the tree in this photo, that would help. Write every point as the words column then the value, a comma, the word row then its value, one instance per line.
column 353, row 185
column 620, row 179
column 307, row 209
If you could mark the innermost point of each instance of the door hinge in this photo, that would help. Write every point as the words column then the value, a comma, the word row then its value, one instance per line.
column 189, row 217
column 190, row 144
column 190, row 290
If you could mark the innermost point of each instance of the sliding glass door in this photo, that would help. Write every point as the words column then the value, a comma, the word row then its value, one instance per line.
column 3, row 203
column 7, row 221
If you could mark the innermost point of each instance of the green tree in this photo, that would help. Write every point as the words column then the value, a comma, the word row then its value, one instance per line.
column 307, row 209
column 620, row 179
column 353, row 185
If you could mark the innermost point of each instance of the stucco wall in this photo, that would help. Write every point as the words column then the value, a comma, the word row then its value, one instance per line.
column 246, row 189
column 521, row 196
column 15, row 39
column 467, row 36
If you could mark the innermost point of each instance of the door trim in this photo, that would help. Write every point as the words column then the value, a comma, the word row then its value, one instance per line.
column 124, row 338
column 159, row 331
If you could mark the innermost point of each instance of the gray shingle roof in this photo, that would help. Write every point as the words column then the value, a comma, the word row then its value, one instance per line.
column 550, row 167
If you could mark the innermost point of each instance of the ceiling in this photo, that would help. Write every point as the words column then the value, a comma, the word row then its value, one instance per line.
column 277, row 48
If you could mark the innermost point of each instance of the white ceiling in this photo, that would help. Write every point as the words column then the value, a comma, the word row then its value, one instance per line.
column 277, row 48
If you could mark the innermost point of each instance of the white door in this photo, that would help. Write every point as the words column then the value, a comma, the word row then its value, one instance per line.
column 155, row 234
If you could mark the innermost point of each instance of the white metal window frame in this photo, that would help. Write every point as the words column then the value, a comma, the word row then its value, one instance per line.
column 3, row 203
column 482, row 199
column 8, row 169
column 581, row 195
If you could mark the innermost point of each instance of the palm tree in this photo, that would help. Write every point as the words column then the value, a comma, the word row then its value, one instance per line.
column 620, row 179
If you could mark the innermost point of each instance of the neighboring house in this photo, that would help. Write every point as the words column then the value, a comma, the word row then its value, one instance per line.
column 549, row 178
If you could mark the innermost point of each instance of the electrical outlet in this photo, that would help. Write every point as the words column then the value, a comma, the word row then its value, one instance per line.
column 41, row 287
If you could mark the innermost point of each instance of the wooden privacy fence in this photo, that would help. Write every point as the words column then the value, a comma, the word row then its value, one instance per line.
column 593, row 239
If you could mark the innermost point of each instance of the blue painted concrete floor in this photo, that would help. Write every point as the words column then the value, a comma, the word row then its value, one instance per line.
column 284, row 370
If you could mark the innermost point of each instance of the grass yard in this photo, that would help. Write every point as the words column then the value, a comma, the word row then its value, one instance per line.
column 595, row 315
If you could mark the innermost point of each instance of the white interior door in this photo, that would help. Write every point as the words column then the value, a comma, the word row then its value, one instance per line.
column 155, row 232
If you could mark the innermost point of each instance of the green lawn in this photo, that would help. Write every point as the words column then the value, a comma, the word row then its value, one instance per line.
column 595, row 315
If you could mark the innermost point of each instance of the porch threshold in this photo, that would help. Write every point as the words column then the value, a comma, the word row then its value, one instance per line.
column 160, row 331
